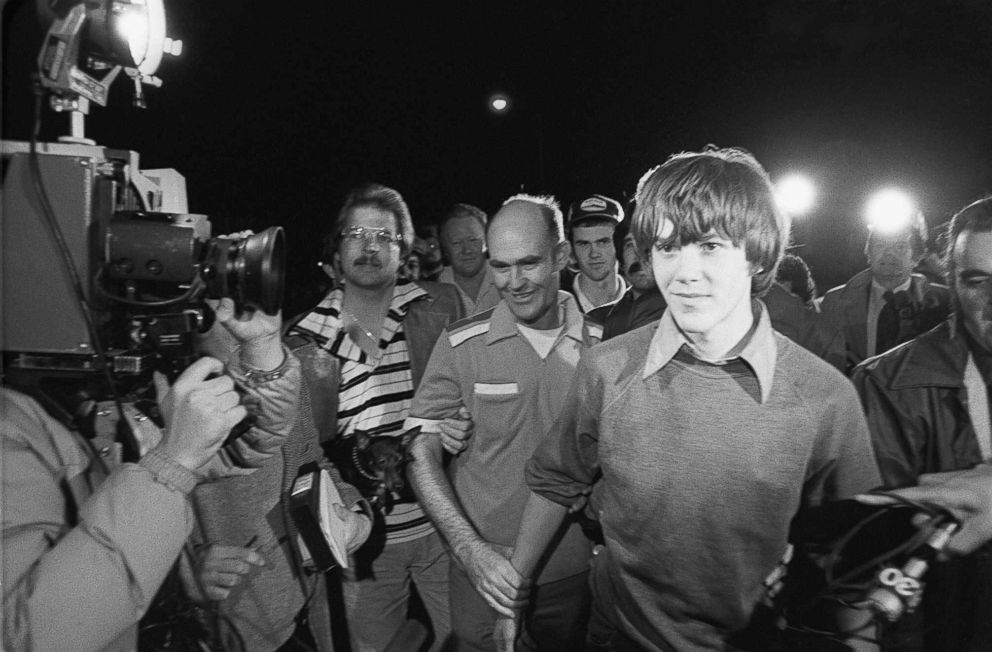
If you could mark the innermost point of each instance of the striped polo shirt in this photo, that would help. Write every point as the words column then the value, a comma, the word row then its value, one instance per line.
column 375, row 392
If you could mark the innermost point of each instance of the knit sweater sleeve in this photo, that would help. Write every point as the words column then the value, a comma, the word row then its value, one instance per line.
column 567, row 462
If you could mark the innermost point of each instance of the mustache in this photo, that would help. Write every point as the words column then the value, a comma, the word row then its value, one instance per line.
column 635, row 267
column 368, row 260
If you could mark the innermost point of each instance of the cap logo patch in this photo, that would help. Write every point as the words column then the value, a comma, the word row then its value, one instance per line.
column 593, row 204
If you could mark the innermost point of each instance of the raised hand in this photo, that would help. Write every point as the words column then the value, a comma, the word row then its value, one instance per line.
column 199, row 409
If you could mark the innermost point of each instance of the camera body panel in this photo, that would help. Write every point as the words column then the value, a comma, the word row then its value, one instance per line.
column 85, row 185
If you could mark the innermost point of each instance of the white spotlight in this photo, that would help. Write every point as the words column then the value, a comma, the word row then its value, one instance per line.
column 795, row 194
column 890, row 210
column 499, row 103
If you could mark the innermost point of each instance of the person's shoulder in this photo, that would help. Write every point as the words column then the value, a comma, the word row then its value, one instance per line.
column 27, row 427
column 932, row 359
column 810, row 375
column 619, row 355
column 473, row 326
column 859, row 280
column 438, row 291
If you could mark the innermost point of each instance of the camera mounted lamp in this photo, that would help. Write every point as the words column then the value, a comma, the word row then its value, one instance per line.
column 91, row 41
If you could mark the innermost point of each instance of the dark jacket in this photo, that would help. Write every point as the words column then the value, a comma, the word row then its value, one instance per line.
column 917, row 407
column 845, row 308
column 628, row 313
column 804, row 326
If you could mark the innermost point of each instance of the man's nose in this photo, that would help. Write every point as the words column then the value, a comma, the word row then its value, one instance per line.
column 372, row 244
column 688, row 266
column 517, row 278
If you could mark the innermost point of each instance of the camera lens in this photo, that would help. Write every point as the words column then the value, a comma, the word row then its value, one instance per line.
column 249, row 270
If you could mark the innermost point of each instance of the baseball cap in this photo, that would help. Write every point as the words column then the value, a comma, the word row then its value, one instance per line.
column 595, row 206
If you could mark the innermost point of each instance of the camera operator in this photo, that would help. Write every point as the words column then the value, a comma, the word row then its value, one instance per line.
column 88, row 541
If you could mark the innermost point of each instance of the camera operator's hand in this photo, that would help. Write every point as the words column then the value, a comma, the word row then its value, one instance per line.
column 220, row 568
column 199, row 412
column 254, row 332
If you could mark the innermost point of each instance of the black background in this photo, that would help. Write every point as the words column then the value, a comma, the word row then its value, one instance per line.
column 275, row 109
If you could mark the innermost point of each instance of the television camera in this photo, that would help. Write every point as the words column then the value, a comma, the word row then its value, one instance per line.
column 104, row 268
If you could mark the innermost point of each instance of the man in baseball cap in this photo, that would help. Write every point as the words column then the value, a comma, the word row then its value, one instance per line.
column 591, row 223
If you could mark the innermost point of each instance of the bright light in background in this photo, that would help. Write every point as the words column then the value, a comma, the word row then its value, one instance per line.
column 499, row 103
column 795, row 194
column 890, row 210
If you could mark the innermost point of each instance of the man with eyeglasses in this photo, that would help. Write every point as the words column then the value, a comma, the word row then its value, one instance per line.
column 363, row 350
column 463, row 239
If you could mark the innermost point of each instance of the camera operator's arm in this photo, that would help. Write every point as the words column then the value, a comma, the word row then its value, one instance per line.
column 966, row 493
column 84, row 552
column 268, row 374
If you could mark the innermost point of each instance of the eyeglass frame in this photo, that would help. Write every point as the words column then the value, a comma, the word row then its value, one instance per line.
column 365, row 235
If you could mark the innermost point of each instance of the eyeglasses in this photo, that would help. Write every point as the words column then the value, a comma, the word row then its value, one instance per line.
column 361, row 234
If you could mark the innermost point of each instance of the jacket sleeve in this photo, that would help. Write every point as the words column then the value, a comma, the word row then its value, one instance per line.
column 273, row 403
column 892, row 430
column 79, row 583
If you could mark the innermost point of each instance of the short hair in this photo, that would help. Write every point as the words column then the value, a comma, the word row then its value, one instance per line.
column 794, row 269
column 550, row 210
column 463, row 210
column 975, row 217
column 917, row 229
column 372, row 195
column 718, row 189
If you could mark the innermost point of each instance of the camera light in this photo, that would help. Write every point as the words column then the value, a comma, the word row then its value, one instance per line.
column 795, row 194
column 889, row 211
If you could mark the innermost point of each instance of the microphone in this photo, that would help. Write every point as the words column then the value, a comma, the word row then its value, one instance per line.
column 898, row 591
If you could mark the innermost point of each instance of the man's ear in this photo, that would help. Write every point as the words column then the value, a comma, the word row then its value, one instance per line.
column 562, row 254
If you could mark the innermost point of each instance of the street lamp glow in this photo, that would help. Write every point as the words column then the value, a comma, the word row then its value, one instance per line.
column 890, row 210
column 499, row 103
column 795, row 194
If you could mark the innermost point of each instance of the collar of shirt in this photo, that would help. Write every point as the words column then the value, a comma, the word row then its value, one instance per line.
column 584, row 301
column 325, row 321
column 447, row 275
column 878, row 292
column 759, row 352
column 503, row 324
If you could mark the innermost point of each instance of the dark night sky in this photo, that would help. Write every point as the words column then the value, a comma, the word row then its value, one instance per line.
column 275, row 109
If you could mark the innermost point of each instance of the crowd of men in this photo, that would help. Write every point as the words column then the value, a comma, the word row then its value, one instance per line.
column 612, row 418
